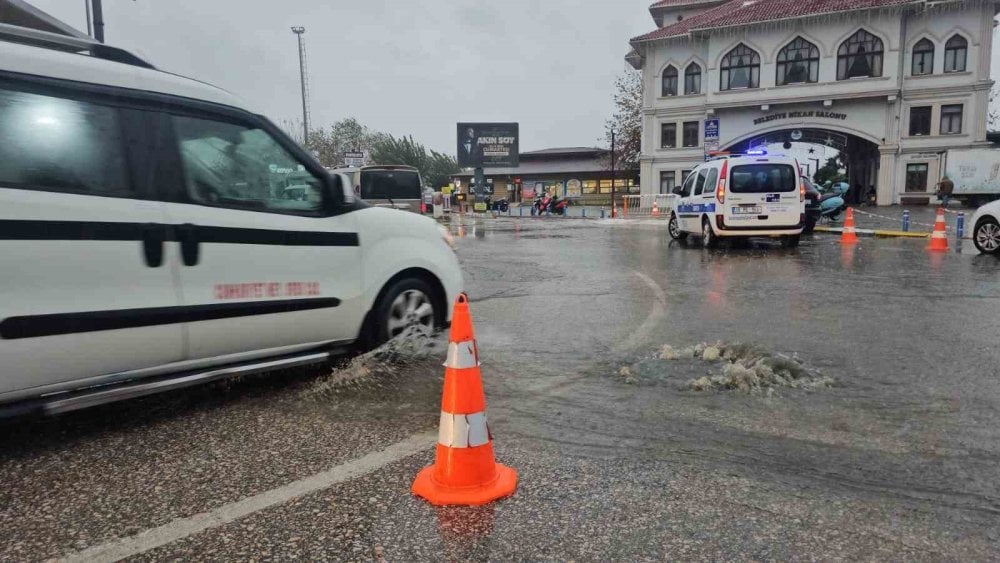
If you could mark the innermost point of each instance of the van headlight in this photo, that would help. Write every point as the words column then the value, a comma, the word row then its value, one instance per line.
column 446, row 235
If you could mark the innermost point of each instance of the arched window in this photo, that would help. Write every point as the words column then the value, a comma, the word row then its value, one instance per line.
column 798, row 62
column 923, row 58
column 669, row 81
column 860, row 55
column 692, row 79
column 956, row 51
column 740, row 69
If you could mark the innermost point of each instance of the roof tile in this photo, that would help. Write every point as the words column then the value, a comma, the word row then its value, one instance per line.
column 743, row 12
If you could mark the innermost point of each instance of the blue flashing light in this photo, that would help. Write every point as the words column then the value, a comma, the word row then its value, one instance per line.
column 757, row 152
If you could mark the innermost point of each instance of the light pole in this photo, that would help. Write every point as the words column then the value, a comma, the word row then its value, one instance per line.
column 613, row 208
column 98, row 20
column 299, row 31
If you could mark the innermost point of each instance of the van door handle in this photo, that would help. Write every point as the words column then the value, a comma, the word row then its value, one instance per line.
column 153, row 237
column 187, row 234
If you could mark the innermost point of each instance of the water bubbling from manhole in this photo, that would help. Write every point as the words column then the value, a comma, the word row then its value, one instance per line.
column 746, row 368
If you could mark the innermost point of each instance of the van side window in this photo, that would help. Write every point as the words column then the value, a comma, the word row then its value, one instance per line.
column 711, row 181
column 61, row 145
column 688, row 185
column 700, row 182
column 229, row 165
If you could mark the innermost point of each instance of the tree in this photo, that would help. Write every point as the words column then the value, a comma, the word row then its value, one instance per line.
column 435, row 168
column 329, row 145
column 831, row 171
column 626, row 121
column 993, row 116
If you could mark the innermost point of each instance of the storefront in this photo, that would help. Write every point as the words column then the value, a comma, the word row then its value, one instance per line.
column 580, row 173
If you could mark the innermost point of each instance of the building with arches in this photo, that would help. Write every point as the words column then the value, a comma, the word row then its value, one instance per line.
column 893, row 85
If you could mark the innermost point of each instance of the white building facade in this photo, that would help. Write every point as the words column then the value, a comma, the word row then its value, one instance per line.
column 891, row 84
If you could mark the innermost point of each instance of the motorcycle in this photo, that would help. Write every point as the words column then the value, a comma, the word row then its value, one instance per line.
column 541, row 204
column 501, row 205
column 832, row 204
column 558, row 206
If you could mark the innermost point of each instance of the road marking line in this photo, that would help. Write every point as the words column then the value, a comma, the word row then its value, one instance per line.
column 181, row 528
column 659, row 309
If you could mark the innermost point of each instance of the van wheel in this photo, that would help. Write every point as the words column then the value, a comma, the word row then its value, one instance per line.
column 407, row 306
column 674, row 228
column 986, row 237
column 790, row 241
column 708, row 238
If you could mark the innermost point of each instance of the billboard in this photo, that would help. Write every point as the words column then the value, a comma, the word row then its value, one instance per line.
column 711, row 137
column 487, row 145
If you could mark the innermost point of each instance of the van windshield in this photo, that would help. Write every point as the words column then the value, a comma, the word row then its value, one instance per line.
column 762, row 178
column 390, row 184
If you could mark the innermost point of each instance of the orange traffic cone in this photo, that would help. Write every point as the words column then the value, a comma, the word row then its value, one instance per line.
column 849, row 236
column 464, row 471
column 939, row 238
column 656, row 209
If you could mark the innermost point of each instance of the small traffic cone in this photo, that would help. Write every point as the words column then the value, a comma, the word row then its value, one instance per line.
column 939, row 238
column 656, row 209
column 464, row 470
column 849, row 236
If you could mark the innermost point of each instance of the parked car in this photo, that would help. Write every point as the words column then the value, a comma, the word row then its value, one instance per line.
column 813, row 209
column 397, row 187
column 986, row 228
column 156, row 233
column 740, row 197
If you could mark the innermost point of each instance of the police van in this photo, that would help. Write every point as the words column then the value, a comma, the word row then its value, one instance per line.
column 156, row 232
column 740, row 196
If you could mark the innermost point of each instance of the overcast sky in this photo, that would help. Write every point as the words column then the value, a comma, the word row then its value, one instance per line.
column 403, row 67
column 410, row 67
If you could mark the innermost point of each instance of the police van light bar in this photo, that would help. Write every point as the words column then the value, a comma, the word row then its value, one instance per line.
column 756, row 152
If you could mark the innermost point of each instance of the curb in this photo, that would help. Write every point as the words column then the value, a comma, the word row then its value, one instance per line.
column 877, row 233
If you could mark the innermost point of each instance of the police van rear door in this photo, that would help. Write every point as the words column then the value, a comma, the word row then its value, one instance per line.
column 762, row 194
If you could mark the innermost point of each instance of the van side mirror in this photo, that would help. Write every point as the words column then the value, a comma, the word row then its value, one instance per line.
column 678, row 190
column 336, row 192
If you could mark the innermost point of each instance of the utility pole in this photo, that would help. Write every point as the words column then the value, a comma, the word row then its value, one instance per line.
column 299, row 31
column 98, row 20
column 90, row 22
column 614, row 209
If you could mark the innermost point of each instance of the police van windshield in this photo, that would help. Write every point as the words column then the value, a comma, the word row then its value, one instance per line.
column 762, row 178
column 390, row 184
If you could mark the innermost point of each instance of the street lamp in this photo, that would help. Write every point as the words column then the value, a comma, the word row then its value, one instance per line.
column 613, row 208
column 299, row 31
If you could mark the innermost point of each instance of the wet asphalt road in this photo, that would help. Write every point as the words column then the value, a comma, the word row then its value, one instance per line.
column 898, row 460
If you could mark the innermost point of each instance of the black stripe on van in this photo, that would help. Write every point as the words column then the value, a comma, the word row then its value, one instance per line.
column 14, row 229
column 93, row 321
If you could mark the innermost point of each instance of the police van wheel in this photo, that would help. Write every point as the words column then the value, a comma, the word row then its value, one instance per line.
column 708, row 238
column 674, row 228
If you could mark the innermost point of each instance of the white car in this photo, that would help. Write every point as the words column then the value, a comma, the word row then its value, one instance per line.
column 985, row 225
column 147, row 240
column 739, row 197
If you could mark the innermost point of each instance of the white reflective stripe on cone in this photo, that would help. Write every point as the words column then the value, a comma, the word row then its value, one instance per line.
column 463, row 430
column 462, row 355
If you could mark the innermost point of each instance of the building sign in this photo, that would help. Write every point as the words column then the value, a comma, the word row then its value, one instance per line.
column 488, row 145
column 711, row 136
column 355, row 158
column 799, row 115
column 574, row 188
column 528, row 192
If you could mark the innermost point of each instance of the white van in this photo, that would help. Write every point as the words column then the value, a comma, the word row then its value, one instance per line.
column 395, row 186
column 740, row 196
column 155, row 233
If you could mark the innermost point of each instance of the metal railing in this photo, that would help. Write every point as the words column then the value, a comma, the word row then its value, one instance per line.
column 635, row 206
